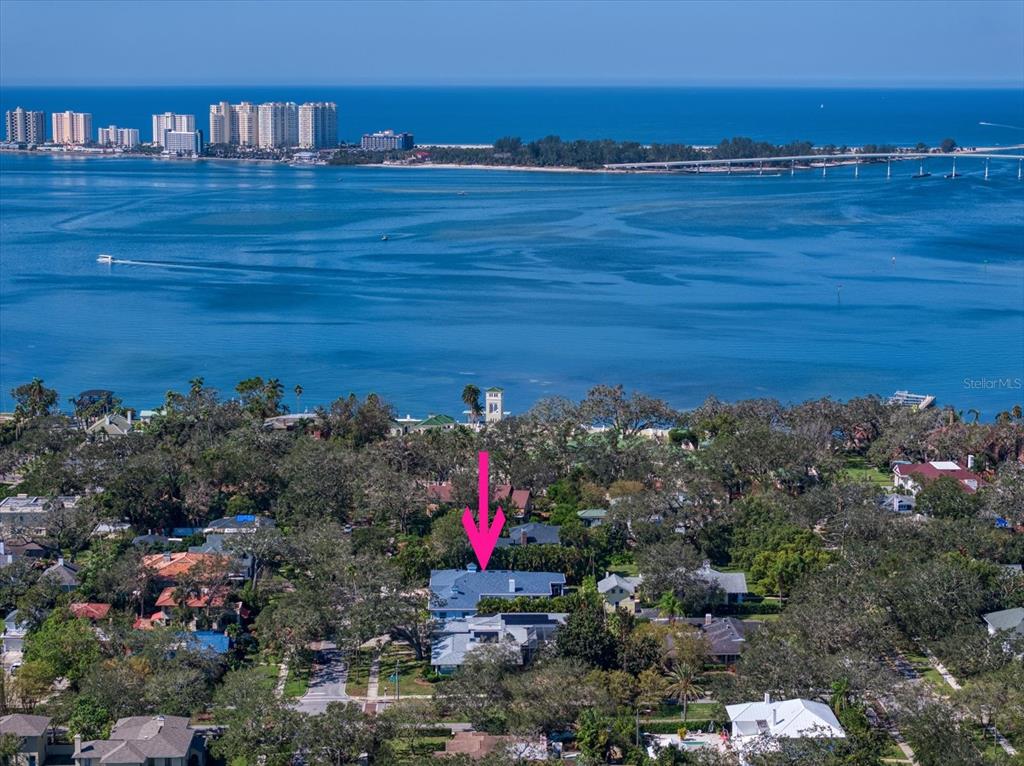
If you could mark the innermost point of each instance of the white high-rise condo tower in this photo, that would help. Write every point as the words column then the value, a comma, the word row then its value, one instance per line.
column 24, row 127
column 318, row 125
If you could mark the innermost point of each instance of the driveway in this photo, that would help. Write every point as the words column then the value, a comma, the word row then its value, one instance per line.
column 326, row 682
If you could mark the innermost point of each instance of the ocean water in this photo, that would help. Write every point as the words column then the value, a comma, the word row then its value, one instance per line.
column 688, row 115
column 544, row 283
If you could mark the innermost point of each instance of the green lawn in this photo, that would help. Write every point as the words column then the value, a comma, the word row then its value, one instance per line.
column 410, row 672
column 625, row 570
column 760, row 617
column 696, row 711
column 405, row 751
column 298, row 680
column 930, row 674
column 269, row 674
column 358, row 674
column 858, row 469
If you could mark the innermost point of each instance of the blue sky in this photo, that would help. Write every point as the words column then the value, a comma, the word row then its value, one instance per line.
column 185, row 42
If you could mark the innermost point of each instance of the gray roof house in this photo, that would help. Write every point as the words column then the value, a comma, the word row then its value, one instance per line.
column 144, row 740
column 733, row 583
column 617, row 589
column 531, row 534
column 454, row 593
column 592, row 517
column 32, row 731
column 727, row 636
column 523, row 633
column 30, row 512
column 64, row 573
column 1006, row 619
column 110, row 425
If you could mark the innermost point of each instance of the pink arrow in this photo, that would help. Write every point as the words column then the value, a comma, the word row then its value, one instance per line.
column 484, row 538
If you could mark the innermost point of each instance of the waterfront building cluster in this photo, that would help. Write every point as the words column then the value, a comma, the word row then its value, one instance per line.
column 274, row 124
column 385, row 141
column 25, row 127
column 72, row 127
column 271, row 126
column 127, row 138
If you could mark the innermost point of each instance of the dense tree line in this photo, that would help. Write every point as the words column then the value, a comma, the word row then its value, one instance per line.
column 555, row 152
column 753, row 486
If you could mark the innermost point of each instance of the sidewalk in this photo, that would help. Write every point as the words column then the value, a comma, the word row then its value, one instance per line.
column 955, row 685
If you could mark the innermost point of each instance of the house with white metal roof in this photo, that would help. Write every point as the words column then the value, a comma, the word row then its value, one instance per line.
column 757, row 727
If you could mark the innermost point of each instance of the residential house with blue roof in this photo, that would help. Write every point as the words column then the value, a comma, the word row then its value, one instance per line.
column 454, row 593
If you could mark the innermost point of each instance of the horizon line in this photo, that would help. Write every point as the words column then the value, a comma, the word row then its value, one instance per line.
column 1007, row 84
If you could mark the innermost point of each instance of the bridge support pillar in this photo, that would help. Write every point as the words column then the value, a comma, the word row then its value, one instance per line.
column 856, row 170
column 824, row 167
column 986, row 170
column 792, row 167
column 1020, row 166
column 888, row 169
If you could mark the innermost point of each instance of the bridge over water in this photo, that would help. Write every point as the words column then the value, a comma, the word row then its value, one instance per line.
column 825, row 161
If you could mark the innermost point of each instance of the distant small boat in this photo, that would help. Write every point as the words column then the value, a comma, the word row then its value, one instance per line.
column 921, row 175
column 383, row 237
column 461, row 194
column 952, row 175
column 104, row 258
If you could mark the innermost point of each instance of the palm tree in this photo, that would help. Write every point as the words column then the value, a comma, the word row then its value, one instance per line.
column 196, row 386
column 298, row 397
column 471, row 398
column 975, row 413
column 683, row 686
column 274, row 393
column 670, row 606
column 840, row 698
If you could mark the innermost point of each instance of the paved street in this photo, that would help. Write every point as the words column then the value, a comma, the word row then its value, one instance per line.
column 326, row 683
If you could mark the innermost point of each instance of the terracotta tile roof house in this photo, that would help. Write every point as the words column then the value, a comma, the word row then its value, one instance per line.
column 216, row 597
column 170, row 566
column 144, row 740
column 520, row 498
column 910, row 475
column 441, row 492
column 89, row 610
column 157, row 619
